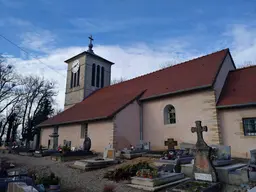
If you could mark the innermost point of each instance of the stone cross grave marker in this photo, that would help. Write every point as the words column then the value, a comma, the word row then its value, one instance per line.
column 203, row 168
column 171, row 143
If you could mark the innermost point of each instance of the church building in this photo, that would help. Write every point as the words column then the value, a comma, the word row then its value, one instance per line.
column 157, row 106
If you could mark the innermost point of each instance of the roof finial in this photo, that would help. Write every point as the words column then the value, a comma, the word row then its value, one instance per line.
column 90, row 44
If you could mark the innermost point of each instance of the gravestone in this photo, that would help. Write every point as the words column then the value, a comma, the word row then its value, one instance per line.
column 109, row 153
column 170, row 143
column 146, row 145
column 202, row 168
column 221, row 155
column 87, row 144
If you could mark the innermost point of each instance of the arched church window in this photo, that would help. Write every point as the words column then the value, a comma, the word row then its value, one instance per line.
column 75, row 74
column 71, row 80
column 102, row 77
column 78, row 77
column 169, row 115
column 93, row 74
column 98, row 76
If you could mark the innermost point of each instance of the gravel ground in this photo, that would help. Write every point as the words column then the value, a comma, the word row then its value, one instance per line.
column 71, row 179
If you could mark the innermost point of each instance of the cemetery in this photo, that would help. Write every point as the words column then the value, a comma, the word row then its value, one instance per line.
column 181, row 168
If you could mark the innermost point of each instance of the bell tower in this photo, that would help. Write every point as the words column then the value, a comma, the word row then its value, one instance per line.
column 86, row 73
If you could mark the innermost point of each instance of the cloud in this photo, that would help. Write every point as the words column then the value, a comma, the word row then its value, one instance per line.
column 14, row 22
column 242, row 39
column 130, row 61
column 41, row 41
column 32, row 38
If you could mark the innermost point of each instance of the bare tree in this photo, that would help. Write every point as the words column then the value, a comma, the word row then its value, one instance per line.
column 36, row 91
column 115, row 81
column 9, row 82
column 10, row 95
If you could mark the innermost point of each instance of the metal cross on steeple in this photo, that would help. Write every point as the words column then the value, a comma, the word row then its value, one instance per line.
column 90, row 44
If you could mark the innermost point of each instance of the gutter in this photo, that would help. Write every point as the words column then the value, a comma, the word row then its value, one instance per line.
column 79, row 121
column 141, row 120
column 236, row 105
column 97, row 118
column 177, row 92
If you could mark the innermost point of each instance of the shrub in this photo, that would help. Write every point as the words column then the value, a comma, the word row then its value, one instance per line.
column 127, row 171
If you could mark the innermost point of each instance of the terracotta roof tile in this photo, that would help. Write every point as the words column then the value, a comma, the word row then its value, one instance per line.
column 105, row 102
column 240, row 88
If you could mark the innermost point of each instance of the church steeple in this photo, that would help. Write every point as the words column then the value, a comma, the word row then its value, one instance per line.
column 86, row 73
column 90, row 46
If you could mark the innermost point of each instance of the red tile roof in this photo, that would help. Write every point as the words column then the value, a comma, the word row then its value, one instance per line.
column 104, row 103
column 240, row 88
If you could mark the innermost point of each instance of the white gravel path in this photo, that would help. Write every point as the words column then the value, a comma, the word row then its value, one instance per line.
column 71, row 179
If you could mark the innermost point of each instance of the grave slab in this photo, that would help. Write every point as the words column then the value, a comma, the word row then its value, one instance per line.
column 196, row 186
column 133, row 155
column 222, row 172
column 163, row 179
column 221, row 162
column 159, row 187
column 252, row 190
column 92, row 164
column 183, row 160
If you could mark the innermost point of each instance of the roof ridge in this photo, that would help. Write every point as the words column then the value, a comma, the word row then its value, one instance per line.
column 184, row 62
column 243, row 68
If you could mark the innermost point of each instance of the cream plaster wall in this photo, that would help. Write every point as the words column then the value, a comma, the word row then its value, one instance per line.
column 189, row 108
column 127, row 126
column 101, row 134
column 231, row 126
column 44, row 136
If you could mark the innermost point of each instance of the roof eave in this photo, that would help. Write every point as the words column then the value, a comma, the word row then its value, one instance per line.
column 74, row 57
column 177, row 92
column 91, row 54
column 236, row 105
column 77, row 121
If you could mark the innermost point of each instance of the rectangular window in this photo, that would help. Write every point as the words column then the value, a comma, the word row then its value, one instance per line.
column 249, row 125
column 84, row 131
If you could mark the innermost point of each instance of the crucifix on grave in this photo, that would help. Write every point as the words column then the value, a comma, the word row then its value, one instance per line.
column 199, row 129
column 90, row 46
column 171, row 143
column 203, row 168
